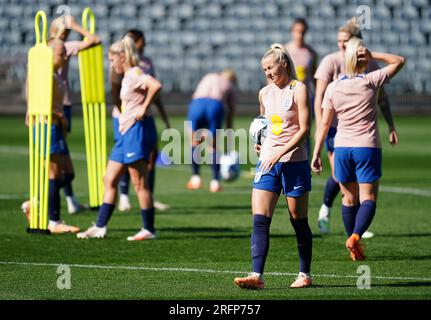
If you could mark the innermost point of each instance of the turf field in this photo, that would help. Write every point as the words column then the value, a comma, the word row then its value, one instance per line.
column 204, row 238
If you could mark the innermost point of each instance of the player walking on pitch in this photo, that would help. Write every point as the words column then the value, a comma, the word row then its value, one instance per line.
column 132, row 149
column 148, row 68
column 283, row 166
column 357, row 153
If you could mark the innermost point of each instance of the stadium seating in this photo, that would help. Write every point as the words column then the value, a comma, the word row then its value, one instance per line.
column 187, row 38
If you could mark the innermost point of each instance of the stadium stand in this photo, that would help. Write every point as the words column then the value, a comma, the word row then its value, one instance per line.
column 189, row 38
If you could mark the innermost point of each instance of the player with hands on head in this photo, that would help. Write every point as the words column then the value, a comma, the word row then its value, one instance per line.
column 357, row 148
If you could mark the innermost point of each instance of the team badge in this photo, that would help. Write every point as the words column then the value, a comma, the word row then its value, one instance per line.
column 258, row 176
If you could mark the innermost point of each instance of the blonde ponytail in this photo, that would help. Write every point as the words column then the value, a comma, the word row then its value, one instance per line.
column 281, row 54
column 126, row 46
column 351, row 57
column 352, row 27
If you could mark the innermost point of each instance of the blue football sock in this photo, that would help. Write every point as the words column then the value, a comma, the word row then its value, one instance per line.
column 195, row 165
column 260, row 242
column 151, row 179
column 365, row 216
column 124, row 183
column 304, row 239
column 105, row 213
column 332, row 189
column 148, row 219
column 68, row 191
column 54, row 199
column 215, row 167
column 349, row 218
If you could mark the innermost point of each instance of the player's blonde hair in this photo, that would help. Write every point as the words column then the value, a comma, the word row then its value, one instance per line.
column 351, row 57
column 58, row 26
column 352, row 27
column 126, row 46
column 229, row 74
column 281, row 54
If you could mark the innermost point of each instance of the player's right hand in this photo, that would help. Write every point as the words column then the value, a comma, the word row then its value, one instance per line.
column 316, row 164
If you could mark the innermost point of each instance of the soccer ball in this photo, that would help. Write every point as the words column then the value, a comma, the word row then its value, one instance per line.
column 229, row 166
column 258, row 129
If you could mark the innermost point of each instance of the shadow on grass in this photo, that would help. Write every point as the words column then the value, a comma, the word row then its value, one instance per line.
column 209, row 233
column 400, row 258
column 405, row 284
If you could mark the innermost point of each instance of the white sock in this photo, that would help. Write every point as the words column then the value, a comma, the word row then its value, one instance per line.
column 70, row 201
column 324, row 212
column 124, row 197
column 52, row 223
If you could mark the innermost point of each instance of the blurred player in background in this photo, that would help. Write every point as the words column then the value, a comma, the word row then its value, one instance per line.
column 283, row 166
column 206, row 110
column 358, row 155
column 59, row 152
column 148, row 68
column 305, row 60
column 136, row 141
column 303, row 56
column 60, row 29
column 329, row 69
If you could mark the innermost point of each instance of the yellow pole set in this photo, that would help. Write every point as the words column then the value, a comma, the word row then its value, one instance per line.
column 40, row 81
column 94, row 112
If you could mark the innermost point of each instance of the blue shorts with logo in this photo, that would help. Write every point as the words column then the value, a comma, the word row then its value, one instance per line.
column 67, row 110
column 136, row 144
column 206, row 113
column 329, row 141
column 294, row 178
column 362, row 165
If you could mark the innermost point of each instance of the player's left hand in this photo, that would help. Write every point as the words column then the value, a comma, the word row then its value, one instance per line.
column 393, row 137
column 267, row 165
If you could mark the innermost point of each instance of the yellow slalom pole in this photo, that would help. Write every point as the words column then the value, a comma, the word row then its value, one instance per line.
column 40, row 81
column 94, row 110
column 30, row 159
column 47, row 164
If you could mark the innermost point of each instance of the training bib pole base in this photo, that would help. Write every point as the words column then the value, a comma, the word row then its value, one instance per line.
column 39, row 231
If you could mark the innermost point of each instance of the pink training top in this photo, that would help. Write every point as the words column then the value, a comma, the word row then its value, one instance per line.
column 72, row 49
column 147, row 67
column 332, row 66
column 281, row 113
column 215, row 86
column 133, row 94
column 304, row 61
column 354, row 101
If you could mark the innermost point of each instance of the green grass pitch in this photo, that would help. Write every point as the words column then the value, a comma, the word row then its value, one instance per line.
column 204, row 238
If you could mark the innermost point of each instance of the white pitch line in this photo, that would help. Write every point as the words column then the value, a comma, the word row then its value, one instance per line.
column 168, row 269
column 182, row 168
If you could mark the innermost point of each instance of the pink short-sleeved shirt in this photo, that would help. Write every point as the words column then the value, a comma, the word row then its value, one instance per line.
column 332, row 66
column 281, row 112
column 147, row 67
column 354, row 101
column 133, row 94
column 304, row 61
column 72, row 49
column 215, row 86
